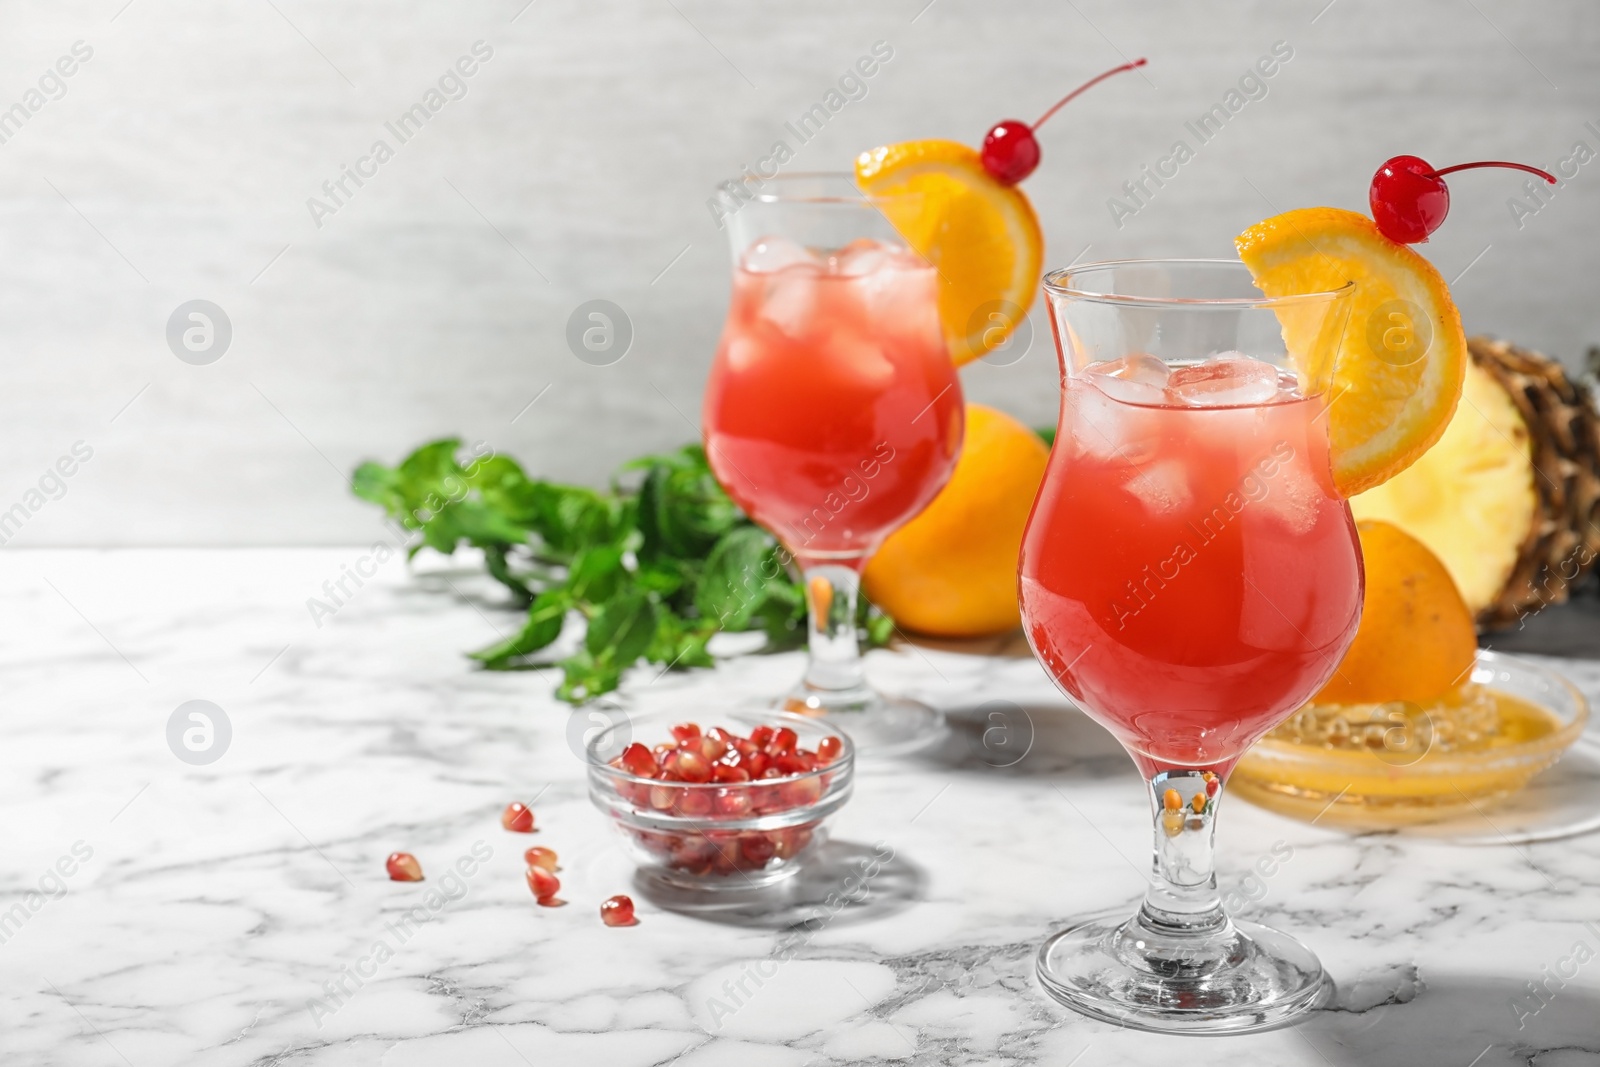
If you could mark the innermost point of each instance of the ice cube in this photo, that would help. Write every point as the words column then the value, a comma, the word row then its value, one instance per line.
column 901, row 299
column 1292, row 496
column 1129, row 391
column 742, row 353
column 1104, row 430
column 790, row 302
column 861, row 257
column 860, row 364
column 1162, row 486
column 772, row 254
column 1134, row 379
column 1137, row 367
column 1227, row 380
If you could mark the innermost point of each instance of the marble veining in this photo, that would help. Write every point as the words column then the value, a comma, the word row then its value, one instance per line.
column 237, row 913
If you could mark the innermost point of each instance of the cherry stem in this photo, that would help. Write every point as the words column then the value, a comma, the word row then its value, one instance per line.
column 1546, row 175
column 1091, row 83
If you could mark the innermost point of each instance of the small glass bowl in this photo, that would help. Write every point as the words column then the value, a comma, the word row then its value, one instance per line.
column 714, row 835
column 1407, row 785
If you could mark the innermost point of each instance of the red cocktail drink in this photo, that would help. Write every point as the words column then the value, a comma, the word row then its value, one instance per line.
column 833, row 413
column 1189, row 573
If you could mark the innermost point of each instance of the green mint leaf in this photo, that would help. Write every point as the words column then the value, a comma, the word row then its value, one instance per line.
column 584, row 677
column 622, row 629
column 738, row 575
column 546, row 617
column 596, row 574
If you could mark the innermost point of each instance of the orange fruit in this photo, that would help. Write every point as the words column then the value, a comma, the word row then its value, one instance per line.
column 1401, row 356
column 982, row 236
column 1416, row 640
column 952, row 570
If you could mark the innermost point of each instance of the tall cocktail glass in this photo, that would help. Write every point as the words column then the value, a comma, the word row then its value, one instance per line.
column 1189, row 576
column 832, row 416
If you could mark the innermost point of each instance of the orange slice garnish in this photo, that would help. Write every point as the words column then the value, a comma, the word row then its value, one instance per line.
column 982, row 236
column 1402, row 356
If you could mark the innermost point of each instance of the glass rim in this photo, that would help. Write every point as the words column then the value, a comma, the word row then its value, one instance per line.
column 1056, row 283
column 787, row 195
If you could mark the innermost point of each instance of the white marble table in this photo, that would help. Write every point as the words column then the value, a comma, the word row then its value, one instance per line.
column 209, row 909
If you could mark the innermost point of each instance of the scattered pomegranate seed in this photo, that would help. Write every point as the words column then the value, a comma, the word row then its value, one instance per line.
column 1212, row 785
column 518, row 818
column 542, row 857
column 828, row 749
column 403, row 867
column 618, row 911
column 544, row 884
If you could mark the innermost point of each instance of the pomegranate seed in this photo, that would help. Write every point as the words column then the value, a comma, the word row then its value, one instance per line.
column 783, row 740
column 828, row 749
column 636, row 759
column 717, row 733
column 1212, row 785
column 803, row 792
column 618, row 911
column 693, row 767
column 757, row 848
column 662, row 751
column 517, row 817
column 712, row 749
column 756, row 764
column 403, row 867
column 663, row 797
column 724, row 773
column 789, row 763
column 544, row 884
column 695, row 803
column 541, row 857
column 760, row 736
column 685, row 732
column 733, row 803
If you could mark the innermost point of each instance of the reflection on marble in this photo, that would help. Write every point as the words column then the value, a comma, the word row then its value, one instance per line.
column 237, row 913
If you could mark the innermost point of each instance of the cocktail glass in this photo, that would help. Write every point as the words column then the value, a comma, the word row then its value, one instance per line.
column 1189, row 576
column 832, row 416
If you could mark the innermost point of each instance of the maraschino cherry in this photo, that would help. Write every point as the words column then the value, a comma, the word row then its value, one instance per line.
column 1010, row 152
column 1409, row 198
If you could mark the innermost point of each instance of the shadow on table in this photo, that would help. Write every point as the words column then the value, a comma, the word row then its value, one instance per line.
column 844, row 882
column 1454, row 1021
column 1005, row 737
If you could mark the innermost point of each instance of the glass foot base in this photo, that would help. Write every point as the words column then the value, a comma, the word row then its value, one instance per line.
column 1243, row 978
column 879, row 725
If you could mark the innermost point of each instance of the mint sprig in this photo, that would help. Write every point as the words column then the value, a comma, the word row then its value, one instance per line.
column 653, row 566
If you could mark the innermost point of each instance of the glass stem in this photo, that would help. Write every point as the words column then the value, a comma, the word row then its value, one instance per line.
column 834, row 672
column 1183, row 897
